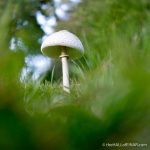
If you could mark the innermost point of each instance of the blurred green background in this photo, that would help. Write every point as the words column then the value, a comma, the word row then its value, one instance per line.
column 110, row 85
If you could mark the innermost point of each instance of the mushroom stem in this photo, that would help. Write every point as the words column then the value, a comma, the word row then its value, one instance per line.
column 65, row 69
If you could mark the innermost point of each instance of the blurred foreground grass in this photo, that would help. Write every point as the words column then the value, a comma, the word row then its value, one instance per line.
column 109, row 103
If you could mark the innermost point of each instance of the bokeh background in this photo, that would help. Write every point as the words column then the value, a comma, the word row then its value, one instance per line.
column 110, row 85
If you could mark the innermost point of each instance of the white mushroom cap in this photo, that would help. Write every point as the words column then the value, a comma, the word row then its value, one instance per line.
column 51, row 45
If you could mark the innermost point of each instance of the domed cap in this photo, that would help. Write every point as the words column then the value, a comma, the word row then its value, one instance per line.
column 51, row 45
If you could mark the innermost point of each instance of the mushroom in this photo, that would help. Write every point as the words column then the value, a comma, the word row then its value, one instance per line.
column 65, row 45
